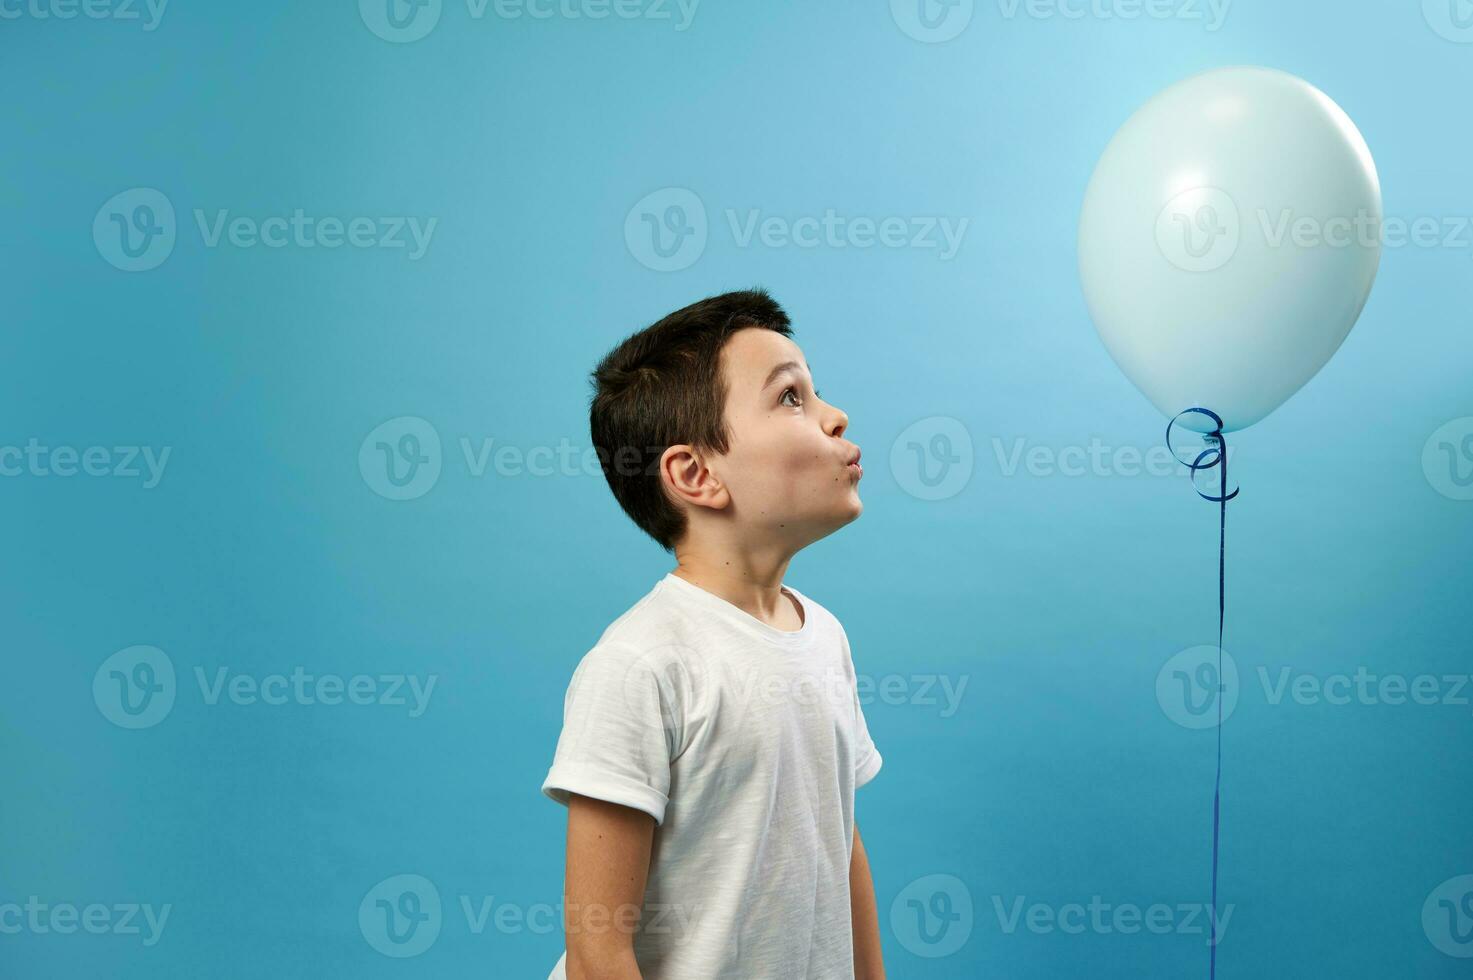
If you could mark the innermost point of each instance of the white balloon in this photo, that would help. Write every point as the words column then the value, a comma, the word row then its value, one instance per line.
column 1228, row 241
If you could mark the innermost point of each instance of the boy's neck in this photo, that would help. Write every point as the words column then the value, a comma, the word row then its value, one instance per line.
column 752, row 583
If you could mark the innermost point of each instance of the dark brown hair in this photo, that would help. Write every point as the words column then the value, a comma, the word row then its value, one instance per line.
column 662, row 386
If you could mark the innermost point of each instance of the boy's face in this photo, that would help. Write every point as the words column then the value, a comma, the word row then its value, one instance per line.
column 788, row 468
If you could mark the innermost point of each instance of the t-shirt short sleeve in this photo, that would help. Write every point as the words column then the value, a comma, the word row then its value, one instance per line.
column 867, row 758
column 621, row 725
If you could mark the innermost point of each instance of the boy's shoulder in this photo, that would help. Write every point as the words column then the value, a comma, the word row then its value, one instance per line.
column 652, row 636
column 652, row 617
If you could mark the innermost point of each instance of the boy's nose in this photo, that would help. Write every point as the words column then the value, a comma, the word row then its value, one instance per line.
column 838, row 422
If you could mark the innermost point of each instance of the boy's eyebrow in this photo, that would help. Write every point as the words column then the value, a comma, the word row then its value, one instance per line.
column 773, row 374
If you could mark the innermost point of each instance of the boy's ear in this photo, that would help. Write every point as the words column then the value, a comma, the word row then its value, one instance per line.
column 687, row 478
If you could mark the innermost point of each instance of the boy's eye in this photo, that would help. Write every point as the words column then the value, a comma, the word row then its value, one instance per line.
column 786, row 393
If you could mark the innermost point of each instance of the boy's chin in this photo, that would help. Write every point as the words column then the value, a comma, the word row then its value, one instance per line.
column 819, row 526
column 849, row 513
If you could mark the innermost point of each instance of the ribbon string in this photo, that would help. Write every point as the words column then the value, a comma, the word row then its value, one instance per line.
column 1214, row 455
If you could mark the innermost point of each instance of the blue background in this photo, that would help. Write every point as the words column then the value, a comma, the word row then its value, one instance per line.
column 1058, row 598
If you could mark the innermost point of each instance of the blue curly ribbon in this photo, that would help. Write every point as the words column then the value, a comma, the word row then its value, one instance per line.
column 1214, row 455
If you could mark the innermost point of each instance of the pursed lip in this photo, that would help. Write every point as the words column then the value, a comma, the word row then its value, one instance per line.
column 853, row 464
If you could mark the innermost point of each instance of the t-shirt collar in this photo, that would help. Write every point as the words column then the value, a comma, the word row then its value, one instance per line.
column 740, row 617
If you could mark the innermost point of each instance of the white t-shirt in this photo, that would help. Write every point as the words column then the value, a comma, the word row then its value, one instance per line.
column 745, row 743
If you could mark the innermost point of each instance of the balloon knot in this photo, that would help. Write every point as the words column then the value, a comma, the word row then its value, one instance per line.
column 1215, row 455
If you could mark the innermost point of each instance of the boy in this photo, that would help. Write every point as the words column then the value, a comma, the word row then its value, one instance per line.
column 712, row 739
